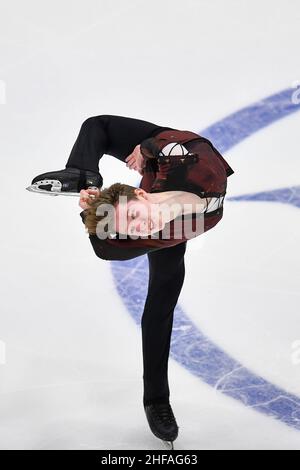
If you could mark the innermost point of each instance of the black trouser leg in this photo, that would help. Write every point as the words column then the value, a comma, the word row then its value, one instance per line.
column 118, row 136
column 111, row 135
column 166, row 276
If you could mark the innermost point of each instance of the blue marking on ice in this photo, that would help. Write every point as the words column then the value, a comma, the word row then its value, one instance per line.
column 243, row 123
column 289, row 195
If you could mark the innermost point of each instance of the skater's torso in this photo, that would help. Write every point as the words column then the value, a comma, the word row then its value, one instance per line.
column 183, row 160
column 176, row 161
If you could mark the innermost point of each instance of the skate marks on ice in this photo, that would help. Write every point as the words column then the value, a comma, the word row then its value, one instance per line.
column 204, row 359
column 241, row 124
column 189, row 346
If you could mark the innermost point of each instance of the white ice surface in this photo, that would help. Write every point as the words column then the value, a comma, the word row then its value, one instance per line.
column 73, row 372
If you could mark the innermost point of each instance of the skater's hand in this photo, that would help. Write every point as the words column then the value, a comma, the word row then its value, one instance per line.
column 136, row 161
column 86, row 196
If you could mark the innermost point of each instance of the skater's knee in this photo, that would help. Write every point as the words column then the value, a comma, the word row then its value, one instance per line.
column 95, row 118
column 87, row 123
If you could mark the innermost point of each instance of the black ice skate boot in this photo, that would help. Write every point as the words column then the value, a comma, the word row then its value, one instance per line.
column 67, row 182
column 162, row 422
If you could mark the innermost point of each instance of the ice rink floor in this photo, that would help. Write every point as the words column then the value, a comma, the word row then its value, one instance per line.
column 70, row 337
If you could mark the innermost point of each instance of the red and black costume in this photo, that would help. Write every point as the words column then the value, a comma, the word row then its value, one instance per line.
column 203, row 171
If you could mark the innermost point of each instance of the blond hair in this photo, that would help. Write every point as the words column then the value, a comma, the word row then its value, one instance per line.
column 108, row 196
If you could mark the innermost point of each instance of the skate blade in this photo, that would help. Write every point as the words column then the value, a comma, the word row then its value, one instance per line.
column 169, row 444
column 35, row 189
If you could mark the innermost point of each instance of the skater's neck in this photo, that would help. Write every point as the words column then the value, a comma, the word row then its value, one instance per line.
column 182, row 202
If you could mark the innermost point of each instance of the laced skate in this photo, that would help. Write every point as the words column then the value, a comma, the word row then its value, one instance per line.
column 66, row 182
column 162, row 422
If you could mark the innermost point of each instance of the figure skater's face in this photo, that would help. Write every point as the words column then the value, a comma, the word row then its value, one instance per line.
column 138, row 216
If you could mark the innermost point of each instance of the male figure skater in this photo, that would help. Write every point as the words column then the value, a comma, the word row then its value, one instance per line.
column 181, row 170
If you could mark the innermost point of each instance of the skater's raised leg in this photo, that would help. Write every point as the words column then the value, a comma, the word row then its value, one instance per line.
column 113, row 135
column 98, row 135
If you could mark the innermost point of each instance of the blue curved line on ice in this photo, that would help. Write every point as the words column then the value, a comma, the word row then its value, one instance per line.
column 243, row 123
column 289, row 195
column 189, row 346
